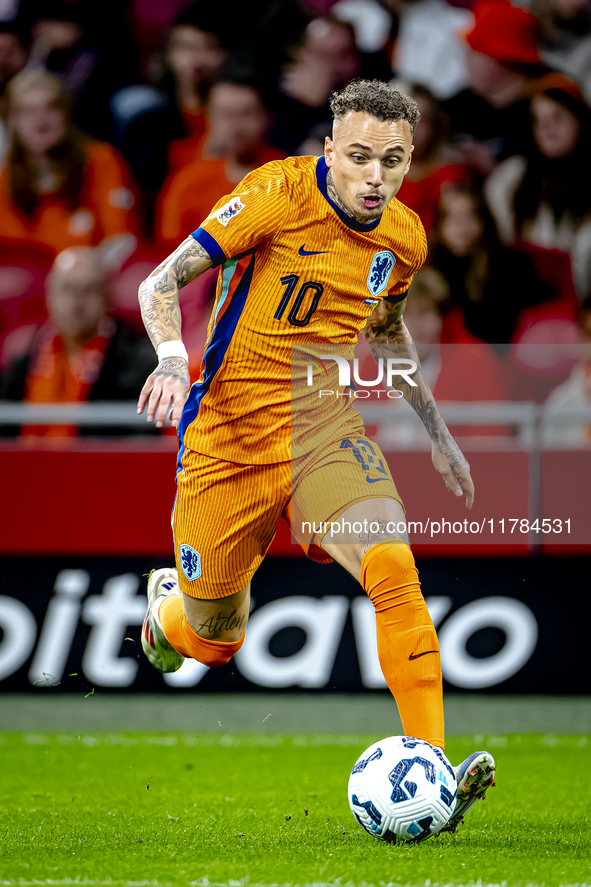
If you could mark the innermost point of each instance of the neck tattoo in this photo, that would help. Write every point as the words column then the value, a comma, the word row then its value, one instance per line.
column 334, row 196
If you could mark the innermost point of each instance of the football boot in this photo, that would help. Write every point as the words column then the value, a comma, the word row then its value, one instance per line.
column 159, row 651
column 474, row 776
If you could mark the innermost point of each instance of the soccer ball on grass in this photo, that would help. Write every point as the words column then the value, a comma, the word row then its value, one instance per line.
column 402, row 789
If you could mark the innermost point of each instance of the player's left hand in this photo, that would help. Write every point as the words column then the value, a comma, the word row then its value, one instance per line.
column 451, row 464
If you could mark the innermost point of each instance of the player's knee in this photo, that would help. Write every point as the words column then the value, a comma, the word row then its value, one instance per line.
column 388, row 566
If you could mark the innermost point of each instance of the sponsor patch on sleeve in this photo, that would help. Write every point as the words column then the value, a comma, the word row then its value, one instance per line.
column 229, row 211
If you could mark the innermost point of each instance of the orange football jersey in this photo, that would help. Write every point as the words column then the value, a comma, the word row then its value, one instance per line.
column 297, row 274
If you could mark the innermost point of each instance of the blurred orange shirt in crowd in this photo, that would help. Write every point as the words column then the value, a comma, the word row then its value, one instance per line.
column 57, row 377
column 189, row 149
column 189, row 195
column 108, row 206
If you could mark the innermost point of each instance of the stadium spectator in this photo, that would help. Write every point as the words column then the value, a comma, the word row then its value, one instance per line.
column 150, row 20
column 566, row 38
column 81, row 353
column 464, row 370
column 489, row 116
column 238, row 122
column 562, row 427
column 234, row 146
column 489, row 282
column 194, row 55
column 59, row 187
column 457, row 365
column 429, row 48
column 326, row 58
column 79, row 42
column 13, row 52
column 13, row 58
column 544, row 197
column 434, row 160
column 457, row 371
column 323, row 60
column 147, row 119
column 372, row 23
column 240, row 21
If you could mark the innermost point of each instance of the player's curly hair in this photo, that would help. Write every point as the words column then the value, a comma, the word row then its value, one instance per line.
column 376, row 98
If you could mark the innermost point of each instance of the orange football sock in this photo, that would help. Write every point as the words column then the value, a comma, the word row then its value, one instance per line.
column 185, row 639
column 407, row 643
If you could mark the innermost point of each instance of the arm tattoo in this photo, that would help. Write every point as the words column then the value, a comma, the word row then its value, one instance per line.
column 159, row 293
column 387, row 336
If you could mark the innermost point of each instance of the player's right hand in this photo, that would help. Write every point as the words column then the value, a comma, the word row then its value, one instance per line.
column 167, row 387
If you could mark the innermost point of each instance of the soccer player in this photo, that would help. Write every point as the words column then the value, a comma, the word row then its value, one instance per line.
column 312, row 251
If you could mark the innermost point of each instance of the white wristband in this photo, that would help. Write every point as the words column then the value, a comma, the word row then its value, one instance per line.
column 171, row 349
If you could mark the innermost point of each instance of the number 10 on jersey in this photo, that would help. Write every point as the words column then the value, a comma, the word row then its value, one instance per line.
column 290, row 282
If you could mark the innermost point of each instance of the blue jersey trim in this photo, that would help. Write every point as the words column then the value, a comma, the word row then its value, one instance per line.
column 214, row 356
column 209, row 243
column 350, row 222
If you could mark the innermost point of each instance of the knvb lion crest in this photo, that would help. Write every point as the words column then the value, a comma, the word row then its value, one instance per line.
column 379, row 273
column 190, row 562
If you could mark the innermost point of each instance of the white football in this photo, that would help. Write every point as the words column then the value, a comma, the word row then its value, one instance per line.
column 402, row 789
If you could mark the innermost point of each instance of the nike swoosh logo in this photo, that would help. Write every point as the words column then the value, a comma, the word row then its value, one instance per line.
column 374, row 480
column 304, row 252
column 418, row 655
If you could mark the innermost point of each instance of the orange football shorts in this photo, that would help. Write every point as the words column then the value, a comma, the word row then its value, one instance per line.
column 226, row 514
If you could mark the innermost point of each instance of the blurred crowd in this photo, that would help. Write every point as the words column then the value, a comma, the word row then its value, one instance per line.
column 123, row 123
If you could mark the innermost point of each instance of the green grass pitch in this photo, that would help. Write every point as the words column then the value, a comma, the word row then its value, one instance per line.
column 181, row 809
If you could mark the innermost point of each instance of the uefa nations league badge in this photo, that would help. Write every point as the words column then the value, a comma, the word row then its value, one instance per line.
column 379, row 273
column 190, row 562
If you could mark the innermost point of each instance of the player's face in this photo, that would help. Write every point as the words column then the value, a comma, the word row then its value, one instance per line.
column 369, row 160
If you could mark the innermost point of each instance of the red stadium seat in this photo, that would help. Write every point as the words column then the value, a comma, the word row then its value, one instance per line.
column 23, row 270
column 195, row 299
column 543, row 352
column 554, row 267
column 127, row 281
